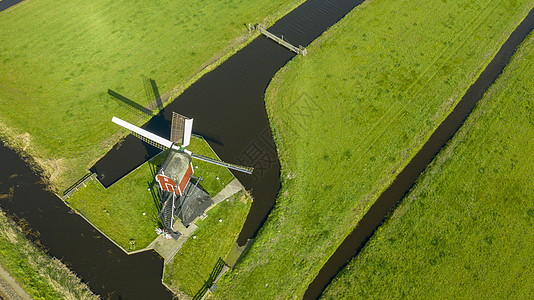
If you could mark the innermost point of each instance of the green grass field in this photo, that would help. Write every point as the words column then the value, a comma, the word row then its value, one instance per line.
column 350, row 115
column 192, row 265
column 118, row 210
column 40, row 275
column 466, row 228
column 58, row 59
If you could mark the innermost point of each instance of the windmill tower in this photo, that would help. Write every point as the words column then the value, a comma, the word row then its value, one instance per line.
column 179, row 196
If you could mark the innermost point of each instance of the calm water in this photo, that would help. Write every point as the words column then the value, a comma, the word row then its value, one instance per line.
column 228, row 107
column 5, row 4
column 357, row 239
column 65, row 235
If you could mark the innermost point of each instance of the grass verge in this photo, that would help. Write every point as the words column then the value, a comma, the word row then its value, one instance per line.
column 40, row 275
column 466, row 228
column 126, row 211
column 351, row 114
column 193, row 264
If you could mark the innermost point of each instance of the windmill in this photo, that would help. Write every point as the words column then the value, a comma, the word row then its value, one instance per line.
column 179, row 196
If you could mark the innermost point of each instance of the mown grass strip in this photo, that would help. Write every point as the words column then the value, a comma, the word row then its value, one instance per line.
column 466, row 227
column 351, row 114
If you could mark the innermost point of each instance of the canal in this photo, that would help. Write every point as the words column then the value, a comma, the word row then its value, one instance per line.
column 228, row 107
column 388, row 200
column 107, row 270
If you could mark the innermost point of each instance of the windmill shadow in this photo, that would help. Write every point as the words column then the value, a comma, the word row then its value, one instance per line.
column 137, row 108
column 209, row 138
column 152, row 94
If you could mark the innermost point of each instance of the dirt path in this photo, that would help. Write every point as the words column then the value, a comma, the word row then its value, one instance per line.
column 9, row 287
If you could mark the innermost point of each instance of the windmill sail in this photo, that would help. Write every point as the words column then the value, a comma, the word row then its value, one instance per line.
column 243, row 169
column 166, row 144
column 145, row 134
column 181, row 128
column 177, row 128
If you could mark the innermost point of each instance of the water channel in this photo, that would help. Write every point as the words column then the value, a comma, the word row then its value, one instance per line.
column 228, row 108
column 5, row 4
column 388, row 200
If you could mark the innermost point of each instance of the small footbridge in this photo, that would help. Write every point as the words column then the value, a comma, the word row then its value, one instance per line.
column 280, row 40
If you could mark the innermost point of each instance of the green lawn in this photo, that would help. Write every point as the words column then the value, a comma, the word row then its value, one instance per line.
column 118, row 210
column 40, row 275
column 193, row 264
column 59, row 58
column 350, row 115
column 466, row 228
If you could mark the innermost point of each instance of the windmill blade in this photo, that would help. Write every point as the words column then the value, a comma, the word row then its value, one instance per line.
column 188, row 130
column 145, row 135
column 181, row 128
column 239, row 168
column 177, row 127
column 166, row 144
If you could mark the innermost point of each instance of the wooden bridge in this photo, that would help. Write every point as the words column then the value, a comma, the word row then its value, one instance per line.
column 280, row 40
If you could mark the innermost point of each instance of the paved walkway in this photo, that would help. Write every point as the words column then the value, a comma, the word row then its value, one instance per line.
column 233, row 187
column 168, row 248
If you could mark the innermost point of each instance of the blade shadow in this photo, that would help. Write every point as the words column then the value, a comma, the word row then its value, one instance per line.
column 208, row 138
column 131, row 104
column 152, row 94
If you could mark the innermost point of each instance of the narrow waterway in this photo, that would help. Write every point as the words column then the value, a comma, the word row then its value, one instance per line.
column 47, row 221
column 388, row 200
column 228, row 107
column 5, row 4
column 229, row 111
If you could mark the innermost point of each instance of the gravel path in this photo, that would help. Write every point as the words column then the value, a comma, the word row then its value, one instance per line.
column 9, row 287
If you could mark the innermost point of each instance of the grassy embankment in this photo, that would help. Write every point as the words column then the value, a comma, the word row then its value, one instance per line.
column 118, row 210
column 194, row 263
column 41, row 276
column 466, row 228
column 350, row 115
column 58, row 60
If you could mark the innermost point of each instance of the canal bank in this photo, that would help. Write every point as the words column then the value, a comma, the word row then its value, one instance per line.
column 95, row 268
column 65, row 235
column 228, row 107
column 470, row 214
column 402, row 184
